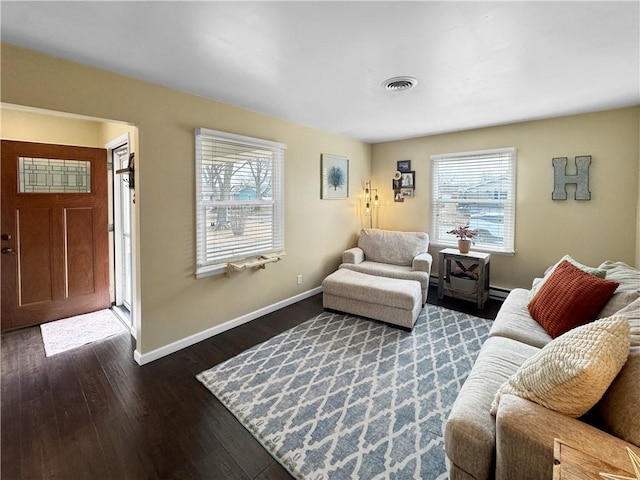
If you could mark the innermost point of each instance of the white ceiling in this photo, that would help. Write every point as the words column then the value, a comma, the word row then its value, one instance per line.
column 322, row 63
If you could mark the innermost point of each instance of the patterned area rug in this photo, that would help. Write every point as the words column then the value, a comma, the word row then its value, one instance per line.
column 73, row 332
column 341, row 397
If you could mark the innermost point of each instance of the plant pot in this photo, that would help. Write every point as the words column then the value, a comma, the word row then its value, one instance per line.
column 464, row 246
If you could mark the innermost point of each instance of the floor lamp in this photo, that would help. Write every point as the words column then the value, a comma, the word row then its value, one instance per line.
column 368, row 193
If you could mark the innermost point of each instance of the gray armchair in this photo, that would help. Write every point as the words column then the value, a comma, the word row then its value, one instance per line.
column 392, row 254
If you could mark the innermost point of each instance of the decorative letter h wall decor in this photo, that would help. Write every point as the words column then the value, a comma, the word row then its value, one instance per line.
column 561, row 179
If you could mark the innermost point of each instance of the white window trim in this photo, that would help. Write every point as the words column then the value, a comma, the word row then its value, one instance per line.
column 509, row 246
column 206, row 270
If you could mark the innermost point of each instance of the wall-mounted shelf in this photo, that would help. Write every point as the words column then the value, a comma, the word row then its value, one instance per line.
column 255, row 263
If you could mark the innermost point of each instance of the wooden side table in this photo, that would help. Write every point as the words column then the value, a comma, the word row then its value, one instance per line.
column 571, row 463
column 475, row 263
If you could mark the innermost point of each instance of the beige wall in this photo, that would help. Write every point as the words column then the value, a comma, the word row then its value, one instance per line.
column 43, row 126
column 591, row 231
column 29, row 126
column 173, row 304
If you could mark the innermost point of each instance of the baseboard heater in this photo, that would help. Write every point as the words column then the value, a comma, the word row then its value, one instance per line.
column 496, row 293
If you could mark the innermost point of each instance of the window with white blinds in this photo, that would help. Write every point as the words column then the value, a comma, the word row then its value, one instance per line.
column 239, row 199
column 475, row 188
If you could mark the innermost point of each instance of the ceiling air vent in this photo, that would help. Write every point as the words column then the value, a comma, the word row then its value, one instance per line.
column 397, row 84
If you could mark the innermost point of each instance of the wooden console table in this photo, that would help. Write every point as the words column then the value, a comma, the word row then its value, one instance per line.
column 571, row 463
column 472, row 262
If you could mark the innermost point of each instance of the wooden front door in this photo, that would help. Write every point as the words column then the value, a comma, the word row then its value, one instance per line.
column 55, row 257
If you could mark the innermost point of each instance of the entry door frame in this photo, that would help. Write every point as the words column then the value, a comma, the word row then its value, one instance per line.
column 58, row 232
column 115, row 209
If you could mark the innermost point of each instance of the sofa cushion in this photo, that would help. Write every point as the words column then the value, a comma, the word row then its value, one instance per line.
column 627, row 276
column 469, row 433
column 628, row 289
column 620, row 405
column 514, row 321
column 571, row 373
column 598, row 272
column 386, row 246
column 570, row 297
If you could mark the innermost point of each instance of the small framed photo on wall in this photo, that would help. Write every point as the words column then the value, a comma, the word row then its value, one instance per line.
column 404, row 166
column 408, row 180
column 406, row 192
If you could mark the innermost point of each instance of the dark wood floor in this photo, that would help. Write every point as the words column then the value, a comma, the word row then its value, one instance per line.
column 93, row 413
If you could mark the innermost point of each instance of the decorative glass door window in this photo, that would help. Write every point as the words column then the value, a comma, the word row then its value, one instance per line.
column 48, row 175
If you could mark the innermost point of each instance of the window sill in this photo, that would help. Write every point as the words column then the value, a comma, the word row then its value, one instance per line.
column 211, row 270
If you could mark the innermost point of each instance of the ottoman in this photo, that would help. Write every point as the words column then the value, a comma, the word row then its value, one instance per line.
column 390, row 300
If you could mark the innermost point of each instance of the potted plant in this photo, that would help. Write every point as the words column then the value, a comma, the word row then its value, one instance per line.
column 465, row 237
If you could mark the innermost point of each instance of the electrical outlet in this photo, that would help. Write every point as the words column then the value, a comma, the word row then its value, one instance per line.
column 299, row 279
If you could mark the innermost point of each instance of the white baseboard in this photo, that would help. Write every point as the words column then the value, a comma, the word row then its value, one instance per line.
column 144, row 358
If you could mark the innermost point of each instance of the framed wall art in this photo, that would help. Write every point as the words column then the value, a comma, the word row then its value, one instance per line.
column 408, row 180
column 335, row 177
column 406, row 192
column 404, row 166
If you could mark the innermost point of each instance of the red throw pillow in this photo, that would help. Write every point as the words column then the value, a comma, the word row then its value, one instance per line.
column 569, row 298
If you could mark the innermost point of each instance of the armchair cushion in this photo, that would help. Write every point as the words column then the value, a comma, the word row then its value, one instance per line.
column 397, row 248
column 390, row 271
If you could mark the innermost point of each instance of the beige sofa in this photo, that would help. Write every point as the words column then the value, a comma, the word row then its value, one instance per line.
column 517, row 443
column 392, row 254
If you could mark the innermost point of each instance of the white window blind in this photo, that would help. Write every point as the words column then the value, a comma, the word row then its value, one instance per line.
column 477, row 188
column 239, row 199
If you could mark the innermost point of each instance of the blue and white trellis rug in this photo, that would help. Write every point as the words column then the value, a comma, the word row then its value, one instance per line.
column 341, row 397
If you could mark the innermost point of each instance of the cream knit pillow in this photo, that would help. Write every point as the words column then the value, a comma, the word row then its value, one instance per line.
column 572, row 372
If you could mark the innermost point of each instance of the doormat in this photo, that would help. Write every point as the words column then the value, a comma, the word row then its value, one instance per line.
column 73, row 332
column 341, row 397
